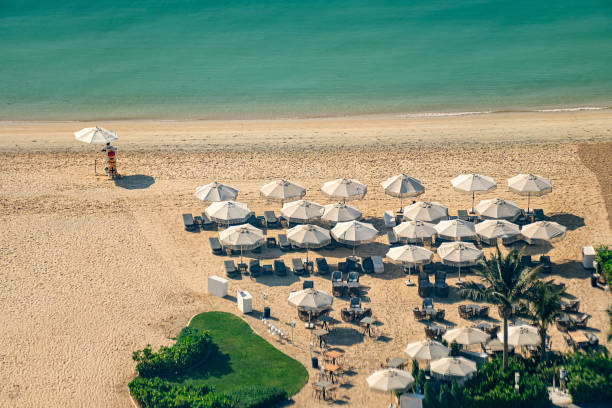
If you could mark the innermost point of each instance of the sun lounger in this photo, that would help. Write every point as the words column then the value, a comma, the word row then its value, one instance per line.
column 389, row 217
column 353, row 264
column 392, row 238
column 355, row 303
column 338, row 285
column 526, row 260
column 322, row 266
column 267, row 269
column 538, row 214
column 462, row 215
column 367, row 264
column 270, row 219
column 307, row 284
column 428, row 303
column 207, row 223
column 283, row 242
column 379, row 265
column 352, row 277
column 298, row 266
column 253, row 220
column 441, row 288
column 581, row 321
column 229, row 267
column 280, row 269
column 189, row 223
column 261, row 221
column 270, row 242
column 215, row 246
column 546, row 265
column 254, row 268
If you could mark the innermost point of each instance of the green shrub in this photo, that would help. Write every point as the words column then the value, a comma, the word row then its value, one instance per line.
column 157, row 393
column 257, row 397
column 589, row 377
column 604, row 259
column 454, row 349
column 191, row 347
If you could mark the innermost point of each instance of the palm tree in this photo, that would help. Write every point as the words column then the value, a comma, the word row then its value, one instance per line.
column 544, row 306
column 505, row 281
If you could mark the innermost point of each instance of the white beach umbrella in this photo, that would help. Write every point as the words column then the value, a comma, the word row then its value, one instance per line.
column 453, row 368
column 282, row 190
column 339, row 212
column 311, row 300
column 354, row 233
column 519, row 336
column 242, row 237
column 411, row 254
column 389, row 379
column 425, row 211
column 345, row 189
column 456, row 229
column 543, row 231
column 473, row 183
column 466, row 336
column 459, row 254
column 496, row 229
column 426, row 350
column 496, row 208
column 414, row 231
column 308, row 236
column 215, row 192
column 228, row 212
column 402, row 186
column 529, row 185
column 95, row 135
column 301, row 211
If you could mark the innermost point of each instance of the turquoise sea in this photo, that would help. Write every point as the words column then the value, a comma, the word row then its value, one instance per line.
column 84, row 59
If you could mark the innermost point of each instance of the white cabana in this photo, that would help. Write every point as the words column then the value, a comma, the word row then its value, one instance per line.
column 282, row 190
column 425, row 211
column 497, row 208
column 339, row 212
column 215, row 192
column 345, row 189
column 301, row 211
column 529, row 185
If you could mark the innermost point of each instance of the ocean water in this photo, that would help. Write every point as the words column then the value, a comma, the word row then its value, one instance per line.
column 83, row 59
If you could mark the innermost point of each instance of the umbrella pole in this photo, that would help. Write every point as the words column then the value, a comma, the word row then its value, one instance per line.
column 459, row 279
column 241, row 254
column 473, row 194
column 528, row 200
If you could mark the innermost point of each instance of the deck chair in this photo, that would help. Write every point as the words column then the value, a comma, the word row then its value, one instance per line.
column 392, row 238
column 270, row 242
column 298, row 266
column 379, row 266
column 338, row 285
column 441, row 288
column 353, row 264
column 229, row 268
column 254, row 268
column 207, row 223
column 367, row 264
column 215, row 246
column 322, row 266
column 283, row 243
column 428, row 303
column 355, row 303
column 280, row 269
column 189, row 223
column 462, row 215
column 270, row 219
column 538, row 214
column 308, row 284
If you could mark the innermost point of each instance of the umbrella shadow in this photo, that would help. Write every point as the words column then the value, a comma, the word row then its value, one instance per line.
column 344, row 336
column 571, row 221
column 135, row 182
column 274, row 280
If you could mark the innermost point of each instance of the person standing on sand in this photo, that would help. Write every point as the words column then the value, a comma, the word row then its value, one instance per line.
column 111, row 160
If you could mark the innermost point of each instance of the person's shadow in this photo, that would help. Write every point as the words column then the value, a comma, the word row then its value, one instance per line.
column 134, row 182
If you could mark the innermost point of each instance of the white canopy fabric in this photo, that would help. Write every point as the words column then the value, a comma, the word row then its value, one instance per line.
column 215, row 192
column 529, row 185
column 459, row 253
column 301, row 211
column 496, row 208
column 402, row 186
column 453, row 367
column 473, row 183
column 466, row 336
column 228, row 212
column 524, row 335
column 414, row 231
column 426, row 350
column 425, row 211
column 95, row 135
column 390, row 379
column 345, row 189
column 354, row 232
column 411, row 254
column 494, row 229
column 543, row 231
column 456, row 229
column 243, row 237
column 282, row 190
column 312, row 300
column 340, row 212
column 308, row 236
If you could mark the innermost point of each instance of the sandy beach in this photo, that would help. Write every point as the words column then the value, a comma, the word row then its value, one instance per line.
column 93, row 270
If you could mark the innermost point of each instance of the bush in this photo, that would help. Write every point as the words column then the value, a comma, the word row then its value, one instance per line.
column 157, row 393
column 191, row 347
column 589, row 377
column 454, row 349
column 257, row 397
column 604, row 259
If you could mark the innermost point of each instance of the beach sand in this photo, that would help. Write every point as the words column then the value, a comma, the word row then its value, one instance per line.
column 93, row 270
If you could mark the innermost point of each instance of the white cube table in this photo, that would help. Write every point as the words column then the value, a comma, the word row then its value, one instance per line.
column 245, row 301
column 217, row 286
column 588, row 256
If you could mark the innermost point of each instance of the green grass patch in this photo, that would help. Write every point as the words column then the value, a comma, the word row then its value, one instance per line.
column 241, row 359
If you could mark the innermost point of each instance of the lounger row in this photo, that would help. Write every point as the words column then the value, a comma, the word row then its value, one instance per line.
column 392, row 219
column 254, row 268
column 192, row 223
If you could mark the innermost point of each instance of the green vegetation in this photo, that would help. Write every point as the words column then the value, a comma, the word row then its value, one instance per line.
column 604, row 260
column 217, row 362
column 506, row 281
column 544, row 306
